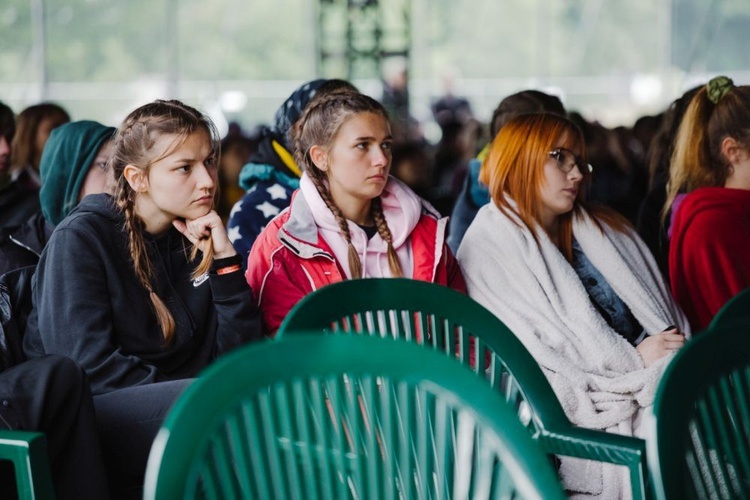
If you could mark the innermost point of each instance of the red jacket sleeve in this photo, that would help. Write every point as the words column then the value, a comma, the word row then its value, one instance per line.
column 453, row 270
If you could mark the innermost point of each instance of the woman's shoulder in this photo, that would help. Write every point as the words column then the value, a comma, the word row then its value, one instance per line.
column 718, row 199
column 267, row 242
column 610, row 219
column 96, row 208
column 490, row 214
column 713, row 209
column 492, row 230
column 96, row 220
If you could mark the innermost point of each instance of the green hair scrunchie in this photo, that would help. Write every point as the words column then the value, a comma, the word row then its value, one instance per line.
column 718, row 87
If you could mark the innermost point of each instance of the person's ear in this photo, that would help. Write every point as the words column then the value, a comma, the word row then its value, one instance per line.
column 136, row 178
column 319, row 157
column 732, row 150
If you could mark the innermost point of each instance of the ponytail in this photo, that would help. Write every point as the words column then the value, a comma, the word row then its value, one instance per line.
column 689, row 165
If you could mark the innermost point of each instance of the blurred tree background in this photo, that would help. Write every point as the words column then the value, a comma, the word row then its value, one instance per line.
column 613, row 61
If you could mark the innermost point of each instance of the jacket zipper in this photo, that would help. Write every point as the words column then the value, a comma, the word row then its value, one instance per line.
column 23, row 245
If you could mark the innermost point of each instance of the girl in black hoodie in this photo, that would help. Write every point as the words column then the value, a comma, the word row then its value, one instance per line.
column 120, row 290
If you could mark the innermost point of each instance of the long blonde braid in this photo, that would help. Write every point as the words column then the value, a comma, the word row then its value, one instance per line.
column 142, row 263
column 355, row 264
column 376, row 209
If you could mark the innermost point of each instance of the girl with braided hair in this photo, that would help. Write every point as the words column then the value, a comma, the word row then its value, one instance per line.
column 120, row 290
column 709, row 196
column 349, row 219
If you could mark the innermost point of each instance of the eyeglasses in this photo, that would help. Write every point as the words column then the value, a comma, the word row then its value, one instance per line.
column 566, row 159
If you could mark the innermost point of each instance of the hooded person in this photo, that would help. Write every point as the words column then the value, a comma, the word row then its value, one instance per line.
column 272, row 174
column 75, row 163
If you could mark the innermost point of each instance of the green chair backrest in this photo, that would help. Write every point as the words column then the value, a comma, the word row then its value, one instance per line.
column 451, row 322
column 441, row 318
column 701, row 430
column 319, row 417
column 736, row 310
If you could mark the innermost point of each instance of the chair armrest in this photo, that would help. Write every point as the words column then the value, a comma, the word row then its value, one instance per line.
column 28, row 452
column 602, row 446
column 595, row 445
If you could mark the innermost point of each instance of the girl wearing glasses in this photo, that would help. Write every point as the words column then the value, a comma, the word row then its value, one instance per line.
column 574, row 283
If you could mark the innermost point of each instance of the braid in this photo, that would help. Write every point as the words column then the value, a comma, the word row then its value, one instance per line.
column 319, row 111
column 355, row 265
column 376, row 209
column 141, row 262
column 208, row 257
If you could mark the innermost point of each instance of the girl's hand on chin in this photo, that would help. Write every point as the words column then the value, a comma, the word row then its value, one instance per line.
column 199, row 230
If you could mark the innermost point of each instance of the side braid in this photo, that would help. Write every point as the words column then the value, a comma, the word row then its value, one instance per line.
column 142, row 264
column 355, row 265
column 208, row 257
column 376, row 210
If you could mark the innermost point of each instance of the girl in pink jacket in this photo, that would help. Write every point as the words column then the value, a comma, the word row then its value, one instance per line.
column 349, row 219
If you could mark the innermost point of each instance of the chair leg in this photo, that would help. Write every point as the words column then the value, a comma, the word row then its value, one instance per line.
column 638, row 481
column 28, row 453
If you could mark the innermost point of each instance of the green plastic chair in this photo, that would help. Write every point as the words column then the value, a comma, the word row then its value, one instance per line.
column 701, row 430
column 736, row 310
column 322, row 417
column 28, row 453
column 444, row 319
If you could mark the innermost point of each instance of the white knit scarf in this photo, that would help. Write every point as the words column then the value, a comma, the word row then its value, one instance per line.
column 597, row 375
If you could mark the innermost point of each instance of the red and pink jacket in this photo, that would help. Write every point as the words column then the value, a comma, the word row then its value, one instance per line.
column 291, row 258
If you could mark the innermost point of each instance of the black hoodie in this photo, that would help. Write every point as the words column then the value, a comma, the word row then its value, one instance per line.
column 89, row 305
column 20, row 246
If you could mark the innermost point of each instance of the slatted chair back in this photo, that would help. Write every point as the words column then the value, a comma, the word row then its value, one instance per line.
column 322, row 417
column 701, row 426
column 451, row 322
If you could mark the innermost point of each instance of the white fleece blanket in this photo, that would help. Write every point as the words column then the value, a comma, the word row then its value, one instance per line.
column 598, row 376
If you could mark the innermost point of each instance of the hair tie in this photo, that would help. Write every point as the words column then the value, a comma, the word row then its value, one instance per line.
column 718, row 87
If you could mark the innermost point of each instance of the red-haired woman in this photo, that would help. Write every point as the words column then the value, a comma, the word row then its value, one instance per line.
column 575, row 284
